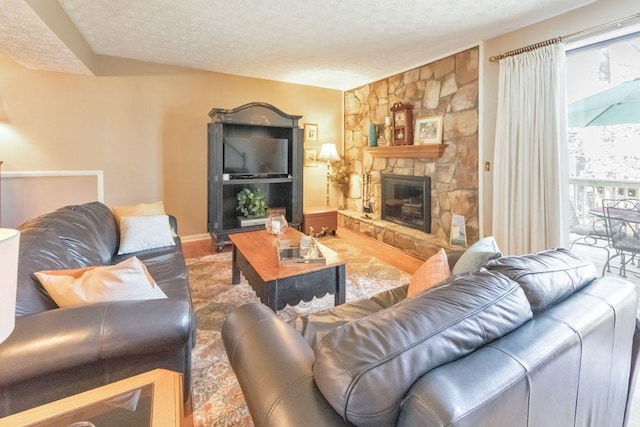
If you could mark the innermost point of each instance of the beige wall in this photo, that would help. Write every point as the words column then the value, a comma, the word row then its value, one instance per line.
column 600, row 12
column 148, row 133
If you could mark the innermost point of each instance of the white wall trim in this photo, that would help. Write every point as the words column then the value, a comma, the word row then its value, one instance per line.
column 30, row 174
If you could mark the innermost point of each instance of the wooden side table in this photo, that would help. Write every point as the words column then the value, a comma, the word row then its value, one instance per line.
column 152, row 399
column 319, row 218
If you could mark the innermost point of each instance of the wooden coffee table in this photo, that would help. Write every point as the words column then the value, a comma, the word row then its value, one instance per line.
column 255, row 255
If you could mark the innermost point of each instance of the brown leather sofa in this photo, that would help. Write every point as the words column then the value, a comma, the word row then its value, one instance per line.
column 56, row 352
column 536, row 340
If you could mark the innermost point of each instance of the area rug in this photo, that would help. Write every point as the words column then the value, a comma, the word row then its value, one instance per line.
column 217, row 398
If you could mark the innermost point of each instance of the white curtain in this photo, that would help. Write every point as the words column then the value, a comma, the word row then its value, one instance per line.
column 531, row 180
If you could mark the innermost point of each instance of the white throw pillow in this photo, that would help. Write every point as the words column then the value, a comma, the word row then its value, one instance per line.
column 139, row 233
column 127, row 280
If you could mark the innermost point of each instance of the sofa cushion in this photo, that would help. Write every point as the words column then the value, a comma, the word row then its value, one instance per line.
column 548, row 276
column 128, row 280
column 477, row 255
column 433, row 271
column 365, row 368
column 170, row 273
column 313, row 327
column 40, row 249
column 104, row 226
column 88, row 231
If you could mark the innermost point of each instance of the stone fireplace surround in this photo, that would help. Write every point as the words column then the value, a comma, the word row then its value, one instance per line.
column 447, row 87
column 414, row 242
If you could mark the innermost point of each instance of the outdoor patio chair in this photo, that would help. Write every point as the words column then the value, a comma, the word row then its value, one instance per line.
column 591, row 233
column 622, row 218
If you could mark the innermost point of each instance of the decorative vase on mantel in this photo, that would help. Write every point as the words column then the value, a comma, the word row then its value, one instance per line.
column 373, row 135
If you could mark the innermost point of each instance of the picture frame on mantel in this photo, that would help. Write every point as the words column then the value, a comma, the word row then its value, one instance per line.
column 310, row 132
column 458, row 235
column 428, row 130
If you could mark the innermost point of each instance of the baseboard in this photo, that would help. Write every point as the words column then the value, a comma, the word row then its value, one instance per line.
column 195, row 238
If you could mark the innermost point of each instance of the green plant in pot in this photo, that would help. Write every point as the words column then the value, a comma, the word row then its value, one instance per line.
column 251, row 203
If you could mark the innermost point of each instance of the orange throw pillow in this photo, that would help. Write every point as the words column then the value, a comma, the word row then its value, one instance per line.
column 433, row 271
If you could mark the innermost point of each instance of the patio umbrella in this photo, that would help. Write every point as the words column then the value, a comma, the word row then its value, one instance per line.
column 615, row 106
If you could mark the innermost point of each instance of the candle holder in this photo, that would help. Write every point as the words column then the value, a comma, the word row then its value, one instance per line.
column 387, row 133
column 276, row 224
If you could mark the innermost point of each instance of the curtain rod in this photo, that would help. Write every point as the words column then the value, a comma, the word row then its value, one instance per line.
column 568, row 37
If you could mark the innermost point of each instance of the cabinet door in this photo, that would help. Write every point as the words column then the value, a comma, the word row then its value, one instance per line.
column 297, row 174
column 214, row 176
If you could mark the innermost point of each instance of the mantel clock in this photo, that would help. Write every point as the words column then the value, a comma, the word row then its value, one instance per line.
column 402, row 124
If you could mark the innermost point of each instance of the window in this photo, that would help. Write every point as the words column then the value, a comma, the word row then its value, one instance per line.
column 604, row 123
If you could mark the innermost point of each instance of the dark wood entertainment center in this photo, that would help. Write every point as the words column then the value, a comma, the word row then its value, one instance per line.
column 279, row 180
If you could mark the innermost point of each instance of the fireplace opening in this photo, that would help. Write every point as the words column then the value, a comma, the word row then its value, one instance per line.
column 406, row 200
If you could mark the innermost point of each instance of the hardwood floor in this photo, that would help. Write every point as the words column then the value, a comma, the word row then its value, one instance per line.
column 198, row 248
column 365, row 244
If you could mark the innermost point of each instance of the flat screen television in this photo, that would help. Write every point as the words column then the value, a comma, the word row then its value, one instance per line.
column 249, row 157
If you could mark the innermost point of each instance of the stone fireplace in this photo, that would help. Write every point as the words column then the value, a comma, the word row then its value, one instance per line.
column 447, row 87
column 406, row 200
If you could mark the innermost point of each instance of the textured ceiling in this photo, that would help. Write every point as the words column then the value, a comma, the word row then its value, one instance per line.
column 28, row 40
column 338, row 44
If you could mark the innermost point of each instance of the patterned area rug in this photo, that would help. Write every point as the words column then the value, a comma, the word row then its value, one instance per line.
column 217, row 398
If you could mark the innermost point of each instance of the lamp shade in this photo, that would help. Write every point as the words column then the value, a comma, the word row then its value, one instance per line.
column 9, row 244
column 328, row 153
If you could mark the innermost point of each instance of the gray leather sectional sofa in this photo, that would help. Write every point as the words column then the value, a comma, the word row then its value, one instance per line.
column 536, row 340
column 56, row 352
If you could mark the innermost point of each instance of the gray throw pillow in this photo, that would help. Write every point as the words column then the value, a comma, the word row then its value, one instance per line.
column 481, row 252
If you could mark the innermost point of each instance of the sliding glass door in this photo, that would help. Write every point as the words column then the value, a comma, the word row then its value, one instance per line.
column 603, row 96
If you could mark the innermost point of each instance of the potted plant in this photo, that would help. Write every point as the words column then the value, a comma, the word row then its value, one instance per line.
column 251, row 203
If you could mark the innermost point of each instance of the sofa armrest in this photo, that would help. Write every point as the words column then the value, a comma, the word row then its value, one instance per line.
column 173, row 222
column 633, row 376
column 62, row 338
column 273, row 364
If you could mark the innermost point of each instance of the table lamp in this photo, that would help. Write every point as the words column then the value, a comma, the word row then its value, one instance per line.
column 9, row 244
column 329, row 154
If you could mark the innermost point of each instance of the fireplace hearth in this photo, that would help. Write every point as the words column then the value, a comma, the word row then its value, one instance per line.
column 406, row 200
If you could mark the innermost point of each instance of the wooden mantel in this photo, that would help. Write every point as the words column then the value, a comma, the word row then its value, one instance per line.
column 399, row 151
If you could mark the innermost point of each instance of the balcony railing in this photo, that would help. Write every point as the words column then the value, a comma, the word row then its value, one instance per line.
column 586, row 193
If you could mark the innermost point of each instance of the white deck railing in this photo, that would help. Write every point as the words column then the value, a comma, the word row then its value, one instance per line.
column 586, row 193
